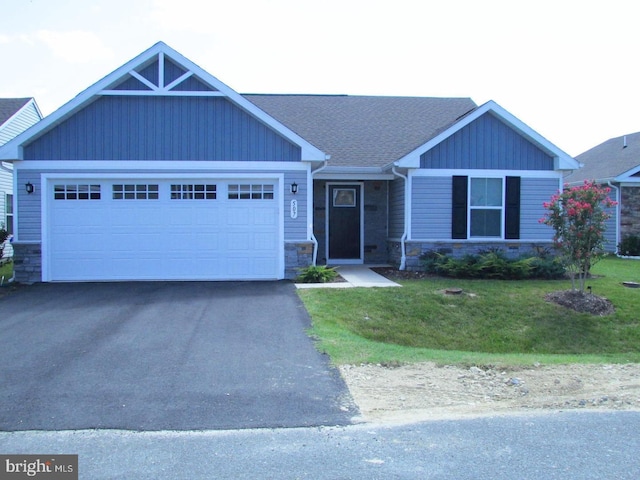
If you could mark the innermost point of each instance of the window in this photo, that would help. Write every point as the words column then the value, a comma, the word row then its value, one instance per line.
column 485, row 207
column 481, row 206
column 76, row 192
column 193, row 192
column 8, row 224
column 135, row 191
column 250, row 191
column 344, row 197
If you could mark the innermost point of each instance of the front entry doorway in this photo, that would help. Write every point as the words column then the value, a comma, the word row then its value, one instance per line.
column 344, row 223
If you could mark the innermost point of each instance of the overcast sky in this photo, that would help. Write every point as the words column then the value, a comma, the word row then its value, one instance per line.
column 569, row 69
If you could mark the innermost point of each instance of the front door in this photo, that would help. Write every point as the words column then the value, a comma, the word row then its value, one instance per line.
column 344, row 229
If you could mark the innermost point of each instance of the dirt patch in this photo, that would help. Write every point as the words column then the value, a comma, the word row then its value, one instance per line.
column 424, row 391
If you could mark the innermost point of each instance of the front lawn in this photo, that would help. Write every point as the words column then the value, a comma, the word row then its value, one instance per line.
column 493, row 321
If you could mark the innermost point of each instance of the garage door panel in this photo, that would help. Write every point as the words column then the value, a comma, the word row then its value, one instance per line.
column 164, row 237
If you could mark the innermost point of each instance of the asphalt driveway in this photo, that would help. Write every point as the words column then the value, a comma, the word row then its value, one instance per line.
column 163, row 356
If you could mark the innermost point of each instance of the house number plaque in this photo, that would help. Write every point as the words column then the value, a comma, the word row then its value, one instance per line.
column 294, row 209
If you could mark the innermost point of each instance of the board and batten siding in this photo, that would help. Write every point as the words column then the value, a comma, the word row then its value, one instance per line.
column 486, row 143
column 396, row 208
column 162, row 128
column 19, row 123
column 431, row 208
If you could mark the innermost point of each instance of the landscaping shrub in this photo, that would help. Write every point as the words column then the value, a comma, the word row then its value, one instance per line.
column 630, row 246
column 492, row 264
column 317, row 274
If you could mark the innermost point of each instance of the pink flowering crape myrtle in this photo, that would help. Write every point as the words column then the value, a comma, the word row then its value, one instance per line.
column 578, row 216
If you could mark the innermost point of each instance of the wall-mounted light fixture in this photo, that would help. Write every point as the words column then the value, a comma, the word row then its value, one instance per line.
column 294, row 188
column 29, row 188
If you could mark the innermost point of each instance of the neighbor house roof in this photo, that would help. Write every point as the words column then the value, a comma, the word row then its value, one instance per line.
column 364, row 131
column 608, row 160
column 10, row 106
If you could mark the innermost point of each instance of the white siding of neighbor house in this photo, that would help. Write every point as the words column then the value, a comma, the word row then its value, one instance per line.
column 19, row 123
column 22, row 120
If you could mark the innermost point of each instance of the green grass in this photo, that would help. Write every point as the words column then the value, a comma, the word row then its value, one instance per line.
column 6, row 271
column 501, row 322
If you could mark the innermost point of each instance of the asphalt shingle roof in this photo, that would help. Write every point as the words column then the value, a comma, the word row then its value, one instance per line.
column 9, row 106
column 608, row 160
column 364, row 131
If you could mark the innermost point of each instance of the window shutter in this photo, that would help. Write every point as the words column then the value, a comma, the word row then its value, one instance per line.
column 512, row 209
column 459, row 207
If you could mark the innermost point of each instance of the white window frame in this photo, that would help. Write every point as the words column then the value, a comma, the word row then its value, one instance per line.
column 500, row 208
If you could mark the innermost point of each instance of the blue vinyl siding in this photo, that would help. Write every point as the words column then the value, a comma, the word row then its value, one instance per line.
column 533, row 193
column 396, row 208
column 295, row 228
column 431, row 208
column 486, row 143
column 162, row 128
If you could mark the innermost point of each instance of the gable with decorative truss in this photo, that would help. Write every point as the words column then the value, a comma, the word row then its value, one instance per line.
column 161, row 76
column 161, row 106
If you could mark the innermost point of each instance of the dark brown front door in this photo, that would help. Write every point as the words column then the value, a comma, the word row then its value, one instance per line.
column 344, row 222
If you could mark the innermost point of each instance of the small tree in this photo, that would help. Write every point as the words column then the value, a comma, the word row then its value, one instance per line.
column 578, row 217
column 4, row 234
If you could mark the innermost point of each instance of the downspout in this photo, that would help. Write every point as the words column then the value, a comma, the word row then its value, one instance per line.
column 314, row 240
column 403, row 239
column 618, row 199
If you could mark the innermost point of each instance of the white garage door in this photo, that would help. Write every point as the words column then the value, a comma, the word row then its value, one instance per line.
column 163, row 230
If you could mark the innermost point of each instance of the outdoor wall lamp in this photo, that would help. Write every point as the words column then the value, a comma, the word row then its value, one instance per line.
column 29, row 188
column 294, row 188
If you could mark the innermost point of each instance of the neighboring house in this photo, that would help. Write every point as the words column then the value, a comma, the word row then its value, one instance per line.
column 615, row 163
column 161, row 171
column 16, row 115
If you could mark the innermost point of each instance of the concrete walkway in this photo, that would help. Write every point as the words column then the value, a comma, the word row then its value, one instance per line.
column 354, row 276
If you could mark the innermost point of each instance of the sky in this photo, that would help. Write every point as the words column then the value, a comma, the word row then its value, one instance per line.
column 568, row 69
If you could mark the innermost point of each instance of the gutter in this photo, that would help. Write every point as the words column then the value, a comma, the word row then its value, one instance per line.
column 314, row 240
column 403, row 239
column 618, row 199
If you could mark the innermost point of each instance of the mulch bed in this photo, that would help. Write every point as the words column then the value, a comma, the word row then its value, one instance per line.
column 581, row 302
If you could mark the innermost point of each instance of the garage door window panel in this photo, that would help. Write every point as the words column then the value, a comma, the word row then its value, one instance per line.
column 245, row 191
column 193, row 191
column 76, row 192
column 128, row 191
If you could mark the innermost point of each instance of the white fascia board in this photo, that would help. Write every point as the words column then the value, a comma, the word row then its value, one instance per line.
column 13, row 152
column 353, row 176
column 125, row 166
column 485, row 173
column 562, row 160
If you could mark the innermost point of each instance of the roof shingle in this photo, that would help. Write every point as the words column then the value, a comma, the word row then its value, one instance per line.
column 608, row 160
column 364, row 131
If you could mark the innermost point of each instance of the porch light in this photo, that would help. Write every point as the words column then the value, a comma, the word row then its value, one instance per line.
column 29, row 188
column 294, row 188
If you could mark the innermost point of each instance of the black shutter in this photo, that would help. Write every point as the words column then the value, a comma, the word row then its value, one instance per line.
column 459, row 207
column 512, row 209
